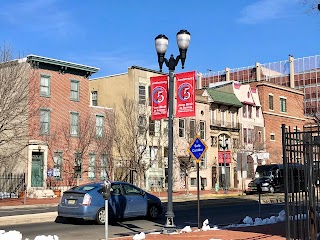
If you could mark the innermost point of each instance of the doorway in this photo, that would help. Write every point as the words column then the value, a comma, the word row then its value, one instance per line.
column 37, row 169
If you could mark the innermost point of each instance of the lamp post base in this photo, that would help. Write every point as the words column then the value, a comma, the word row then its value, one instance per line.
column 169, row 227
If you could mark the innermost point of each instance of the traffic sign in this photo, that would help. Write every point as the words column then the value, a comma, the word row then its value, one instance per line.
column 197, row 148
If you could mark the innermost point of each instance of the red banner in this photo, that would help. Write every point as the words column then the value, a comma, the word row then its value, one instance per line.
column 159, row 97
column 185, row 92
column 221, row 156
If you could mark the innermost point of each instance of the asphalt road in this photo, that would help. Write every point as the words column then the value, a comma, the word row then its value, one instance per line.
column 185, row 214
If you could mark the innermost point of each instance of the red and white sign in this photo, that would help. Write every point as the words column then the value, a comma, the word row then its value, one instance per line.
column 159, row 97
column 185, row 92
column 221, row 156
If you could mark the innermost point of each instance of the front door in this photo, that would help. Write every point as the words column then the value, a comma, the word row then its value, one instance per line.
column 37, row 169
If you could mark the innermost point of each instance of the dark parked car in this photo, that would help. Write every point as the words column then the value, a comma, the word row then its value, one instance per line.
column 126, row 200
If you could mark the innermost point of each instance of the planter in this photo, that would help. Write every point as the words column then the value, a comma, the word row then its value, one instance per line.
column 21, row 194
column 57, row 192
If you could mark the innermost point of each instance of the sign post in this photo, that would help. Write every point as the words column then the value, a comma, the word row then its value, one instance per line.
column 197, row 149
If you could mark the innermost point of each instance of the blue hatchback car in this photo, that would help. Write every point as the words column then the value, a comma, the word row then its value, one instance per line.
column 126, row 200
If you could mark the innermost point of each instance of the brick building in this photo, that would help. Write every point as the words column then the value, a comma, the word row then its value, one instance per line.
column 68, row 140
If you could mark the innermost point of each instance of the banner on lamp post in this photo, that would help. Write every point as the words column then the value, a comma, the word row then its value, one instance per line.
column 159, row 97
column 185, row 92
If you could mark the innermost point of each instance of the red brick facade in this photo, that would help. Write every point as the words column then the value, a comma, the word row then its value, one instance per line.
column 293, row 116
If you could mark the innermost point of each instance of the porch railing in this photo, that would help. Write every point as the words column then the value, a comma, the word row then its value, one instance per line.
column 11, row 184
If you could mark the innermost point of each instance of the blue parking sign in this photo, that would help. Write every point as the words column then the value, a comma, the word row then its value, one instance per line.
column 197, row 148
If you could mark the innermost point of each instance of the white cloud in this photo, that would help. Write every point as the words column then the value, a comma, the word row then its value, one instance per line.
column 37, row 16
column 265, row 10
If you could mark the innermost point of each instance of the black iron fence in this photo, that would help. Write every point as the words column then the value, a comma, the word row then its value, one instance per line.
column 11, row 185
column 301, row 159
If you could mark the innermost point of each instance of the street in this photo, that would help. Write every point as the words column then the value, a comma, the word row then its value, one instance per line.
column 220, row 214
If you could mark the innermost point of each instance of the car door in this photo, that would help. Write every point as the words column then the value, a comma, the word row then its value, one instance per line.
column 136, row 201
column 117, row 201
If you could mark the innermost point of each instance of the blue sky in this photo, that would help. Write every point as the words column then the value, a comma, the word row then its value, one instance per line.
column 116, row 34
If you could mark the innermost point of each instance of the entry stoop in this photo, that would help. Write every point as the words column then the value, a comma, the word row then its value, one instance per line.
column 41, row 193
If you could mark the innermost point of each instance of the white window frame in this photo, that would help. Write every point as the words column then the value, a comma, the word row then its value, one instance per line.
column 99, row 126
column 142, row 97
column 92, row 166
column 74, row 124
column 57, row 164
column 283, row 100
column 104, row 166
column 45, row 85
column 182, row 129
column 74, row 89
column 44, row 121
column 94, row 98
column 202, row 129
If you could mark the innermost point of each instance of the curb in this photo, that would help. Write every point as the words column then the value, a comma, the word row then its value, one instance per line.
column 28, row 218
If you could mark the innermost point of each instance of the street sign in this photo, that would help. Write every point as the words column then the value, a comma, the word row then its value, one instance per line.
column 197, row 148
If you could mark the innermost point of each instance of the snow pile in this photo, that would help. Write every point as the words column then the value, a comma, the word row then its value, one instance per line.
column 186, row 229
column 139, row 236
column 205, row 225
column 15, row 235
column 248, row 221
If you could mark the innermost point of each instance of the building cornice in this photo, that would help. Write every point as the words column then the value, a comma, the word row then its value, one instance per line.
column 34, row 59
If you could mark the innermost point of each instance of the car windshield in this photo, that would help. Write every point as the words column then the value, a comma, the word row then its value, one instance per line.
column 262, row 174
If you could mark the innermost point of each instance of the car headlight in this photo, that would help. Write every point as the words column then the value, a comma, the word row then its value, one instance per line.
column 265, row 184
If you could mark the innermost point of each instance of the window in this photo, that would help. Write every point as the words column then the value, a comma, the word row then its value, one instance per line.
column 270, row 101
column 57, row 164
column 151, row 127
column 157, row 128
column 245, row 136
column 131, row 190
column 74, row 90
column 203, row 183
column 94, row 98
column 44, row 121
column 142, row 94
column 244, row 111
column 104, row 166
column 192, row 128
column 99, row 125
column 153, row 156
column 250, row 136
column 283, row 104
column 141, row 124
column 213, row 116
column 203, row 161
column 233, row 119
column 272, row 137
column 165, row 127
column 257, row 112
column 193, row 181
column 77, row 165
column 45, row 85
column 223, row 118
column 202, row 129
column 92, row 166
column 74, row 124
column 181, row 127
column 249, row 111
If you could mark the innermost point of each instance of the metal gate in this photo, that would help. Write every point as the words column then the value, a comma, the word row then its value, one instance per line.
column 301, row 161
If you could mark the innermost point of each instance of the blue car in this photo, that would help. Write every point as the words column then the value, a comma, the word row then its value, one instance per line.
column 126, row 200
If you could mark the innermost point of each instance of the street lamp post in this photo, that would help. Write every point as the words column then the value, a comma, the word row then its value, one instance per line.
column 161, row 44
column 224, row 145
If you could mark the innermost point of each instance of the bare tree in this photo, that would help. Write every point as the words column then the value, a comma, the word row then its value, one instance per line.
column 17, row 106
column 311, row 5
column 131, row 141
column 76, row 143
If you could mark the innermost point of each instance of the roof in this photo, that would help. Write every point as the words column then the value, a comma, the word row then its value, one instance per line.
column 56, row 62
column 224, row 98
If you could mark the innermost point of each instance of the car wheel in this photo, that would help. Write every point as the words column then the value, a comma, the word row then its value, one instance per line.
column 100, row 217
column 271, row 189
column 153, row 212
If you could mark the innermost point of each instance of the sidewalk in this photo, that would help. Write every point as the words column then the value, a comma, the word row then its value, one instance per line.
column 272, row 231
